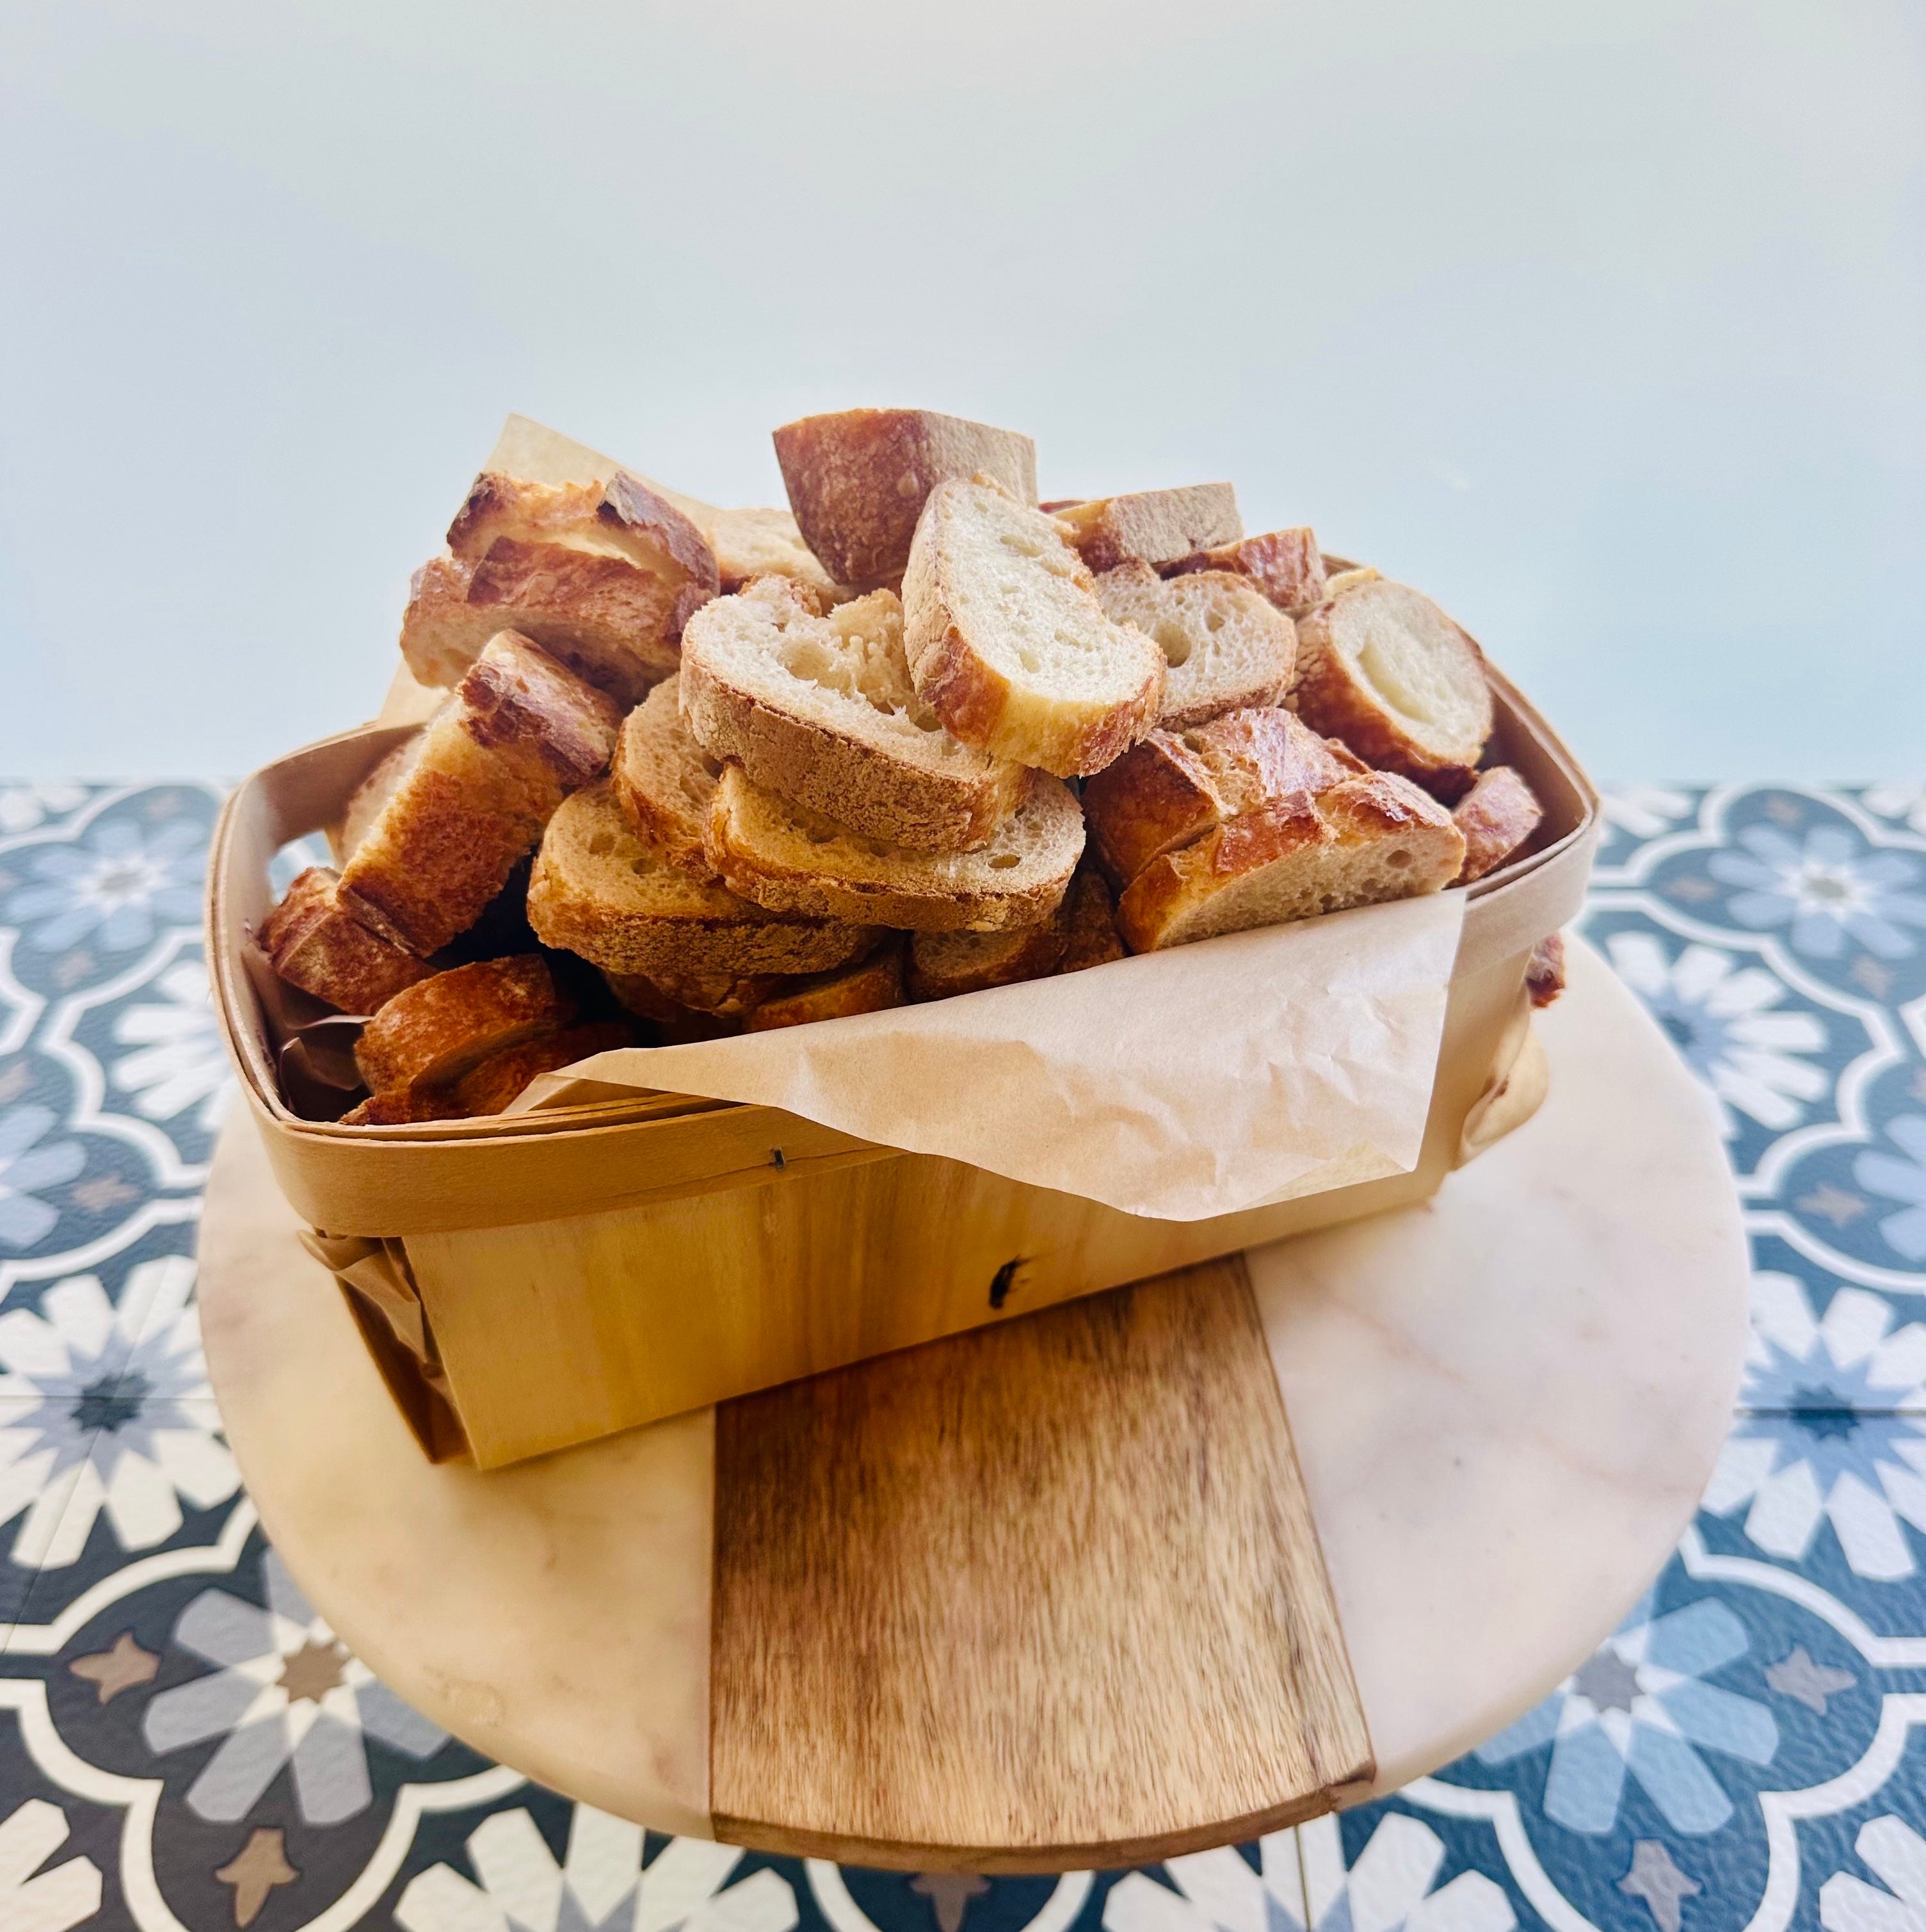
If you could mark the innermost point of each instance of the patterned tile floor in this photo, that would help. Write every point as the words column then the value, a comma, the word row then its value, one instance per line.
column 183, row 1743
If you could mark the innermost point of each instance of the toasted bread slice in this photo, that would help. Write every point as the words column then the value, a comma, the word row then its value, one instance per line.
column 312, row 943
column 603, row 892
column 1545, row 970
column 724, row 996
column 403, row 1107
column 678, row 1024
column 485, row 776
column 1497, row 815
column 1225, row 645
column 490, row 1088
column 872, row 986
column 1285, row 564
column 1383, row 668
column 1177, row 786
column 942, row 965
column 665, row 780
column 432, row 1034
column 602, row 577
column 794, row 860
column 1008, row 644
column 857, row 480
column 1155, row 526
column 369, row 799
column 749, row 544
column 1091, row 923
column 1372, row 836
column 821, row 710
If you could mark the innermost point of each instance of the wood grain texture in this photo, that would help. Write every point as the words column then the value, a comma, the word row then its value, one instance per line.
column 1047, row 1594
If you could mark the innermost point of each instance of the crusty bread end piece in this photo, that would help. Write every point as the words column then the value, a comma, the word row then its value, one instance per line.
column 1285, row 564
column 600, row 890
column 1371, row 837
column 487, row 773
column 873, row 986
column 435, row 1032
column 1177, row 786
column 1497, row 815
column 313, row 942
column 1155, row 526
column 1383, row 668
column 1225, row 645
column 857, row 480
column 792, row 859
column 821, row 710
column 1008, row 644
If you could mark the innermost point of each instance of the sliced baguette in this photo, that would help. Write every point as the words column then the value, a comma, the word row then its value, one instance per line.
column 1225, row 645
column 857, row 480
column 678, row 1024
column 1177, row 786
column 485, row 776
column 490, row 1088
column 664, row 780
column 724, row 996
column 1383, row 668
column 1285, row 564
column 313, row 942
column 1373, row 836
column 749, row 544
column 1094, row 939
column 601, row 891
column 793, row 860
column 942, row 965
column 1155, row 526
column 1497, row 815
column 872, row 986
column 1008, row 644
column 369, row 799
column 403, row 1107
column 434, row 1033
column 821, row 710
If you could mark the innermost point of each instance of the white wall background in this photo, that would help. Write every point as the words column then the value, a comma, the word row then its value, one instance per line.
column 1605, row 325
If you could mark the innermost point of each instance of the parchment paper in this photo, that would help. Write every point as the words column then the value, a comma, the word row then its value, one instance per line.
column 1179, row 1085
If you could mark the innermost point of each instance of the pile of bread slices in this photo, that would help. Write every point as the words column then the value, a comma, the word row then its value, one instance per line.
column 917, row 736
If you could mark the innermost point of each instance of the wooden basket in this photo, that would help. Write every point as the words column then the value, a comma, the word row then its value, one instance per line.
column 530, row 1281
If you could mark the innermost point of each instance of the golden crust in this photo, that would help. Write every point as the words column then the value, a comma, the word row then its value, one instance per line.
column 1177, row 786
column 435, row 1032
column 313, row 942
column 402, row 1107
column 1159, row 527
column 857, row 480
column 490, row 1088
column 942, row 965
column 872, row 986
column 1285, row 564
column 1497, row 816
column 1090, row 920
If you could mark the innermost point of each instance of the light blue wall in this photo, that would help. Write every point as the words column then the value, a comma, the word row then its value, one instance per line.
column 1605, row 324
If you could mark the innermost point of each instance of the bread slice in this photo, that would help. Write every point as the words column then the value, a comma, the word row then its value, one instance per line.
column 872, row 986
column 1372, row 836
column 1155, row 526
column 749, row 544
column 434, row 1033
column 676, row 1023
column 1225, row 647
column 725, row 996
column 821, row 710
column 491, row 1087
column 1177, row 786
column 485, row 776
column 857, row 480
column 1383, row 668
column 1008, row 644
column 1285, row 564
column 793, row 860
column 942, row 965
column 1497, row 815
column 369, row 799
column 602, row 576
column 664, row 780
column 1091, row 923
column 312, row 943
column 601, row 891
column 403, row 1107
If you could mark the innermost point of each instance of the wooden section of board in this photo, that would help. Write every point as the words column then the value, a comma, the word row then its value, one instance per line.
column 1047, row 1594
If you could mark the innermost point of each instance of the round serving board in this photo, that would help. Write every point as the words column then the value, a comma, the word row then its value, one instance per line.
column 1069, row 1591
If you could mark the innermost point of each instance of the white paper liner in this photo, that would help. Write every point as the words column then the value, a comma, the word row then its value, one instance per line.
column 1178, row 1085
